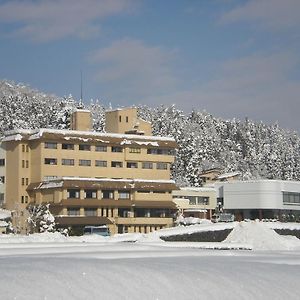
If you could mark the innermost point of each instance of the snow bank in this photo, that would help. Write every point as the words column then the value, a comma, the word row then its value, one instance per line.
column 260, row 237
column 4, row 214
column 33, row 238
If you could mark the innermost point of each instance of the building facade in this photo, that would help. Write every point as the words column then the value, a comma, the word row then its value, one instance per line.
column 197, row 202
column 261, row 199
column 121, row 179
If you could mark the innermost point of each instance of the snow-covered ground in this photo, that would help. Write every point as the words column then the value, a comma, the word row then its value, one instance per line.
column 139, row 266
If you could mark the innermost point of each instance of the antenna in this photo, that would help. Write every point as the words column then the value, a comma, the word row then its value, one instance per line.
column 81, row 97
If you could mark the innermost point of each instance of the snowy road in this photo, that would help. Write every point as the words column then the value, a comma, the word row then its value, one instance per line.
column 144, row 271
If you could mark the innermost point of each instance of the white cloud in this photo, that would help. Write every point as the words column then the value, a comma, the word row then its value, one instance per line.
column 271, row 14
column 136, row 69
column 259, row 87
column 54, row 19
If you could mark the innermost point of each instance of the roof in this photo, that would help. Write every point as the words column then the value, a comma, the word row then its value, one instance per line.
column 228, row 175
column 103, row 183
column 197, row 189
column 121, row 203
column 88, row 136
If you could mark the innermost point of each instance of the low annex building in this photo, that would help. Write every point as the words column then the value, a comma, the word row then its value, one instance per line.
column 197, row 202
column 120, row 178
column 261, row 199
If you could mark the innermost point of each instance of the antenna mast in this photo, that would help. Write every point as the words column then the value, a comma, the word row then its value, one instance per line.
column 81, row 97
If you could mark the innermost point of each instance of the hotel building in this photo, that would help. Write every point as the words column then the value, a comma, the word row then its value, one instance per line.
column 120, row 178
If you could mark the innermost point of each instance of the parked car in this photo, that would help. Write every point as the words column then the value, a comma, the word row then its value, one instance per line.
column 102, row 230
column 223, row 217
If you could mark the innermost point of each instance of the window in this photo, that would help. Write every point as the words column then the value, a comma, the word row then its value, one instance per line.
column 23, row 181
column 147, row 165
column 2, row 179
column 116, row 149
column 101, row 163
column 120, row 119
column 192, row 200
column 144, row 191
column 161, row 166
column 27, row 148
column 26, row 199
column 73, row 193
column 134, row 150
column 160, row 151
column 50, row 145
column 67, row 146
column 2, row 162
column 108, row 194
column 23, row 148
column 84, row 162
column 203, row 200
column 50, row 161
column 116, row 164
column 23, row 163
column 27, row 163
column 85, row 147
column 1, row 197
column 101, row 148
column 126, row 119
column 132, row 165
column 124, row 195
column 90, row 212
column 73, row 211
column 22, row 199
column 290, row 198
column 27, row 181
column 67, row 162
column 90, row 194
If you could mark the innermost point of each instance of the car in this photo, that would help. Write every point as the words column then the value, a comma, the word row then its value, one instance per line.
column 223, row 217
column 102, row 230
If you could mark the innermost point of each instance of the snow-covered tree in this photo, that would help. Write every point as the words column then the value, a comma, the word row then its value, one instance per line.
column 40, row 218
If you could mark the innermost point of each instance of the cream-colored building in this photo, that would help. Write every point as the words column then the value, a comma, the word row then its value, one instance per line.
column 198, row 202
column 120, row 178
column 215, row 175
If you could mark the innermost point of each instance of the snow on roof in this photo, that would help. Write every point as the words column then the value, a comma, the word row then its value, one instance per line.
column 195, row 210
column 127, row 142
column 82, row 110
column 120, row 109
column 111, row 180
column 38, row 133
column 258, row 181
column 49, row 185
column 15, row 137
column 228, row 175
column 197, row 189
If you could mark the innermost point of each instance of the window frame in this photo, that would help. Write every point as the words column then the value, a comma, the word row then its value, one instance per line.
column 50, row 145
column 54, row 163
column 85, row 162
column 71, row 160
column 67, row 146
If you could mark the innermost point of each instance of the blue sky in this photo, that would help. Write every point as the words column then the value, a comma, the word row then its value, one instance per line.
column 233, row 58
